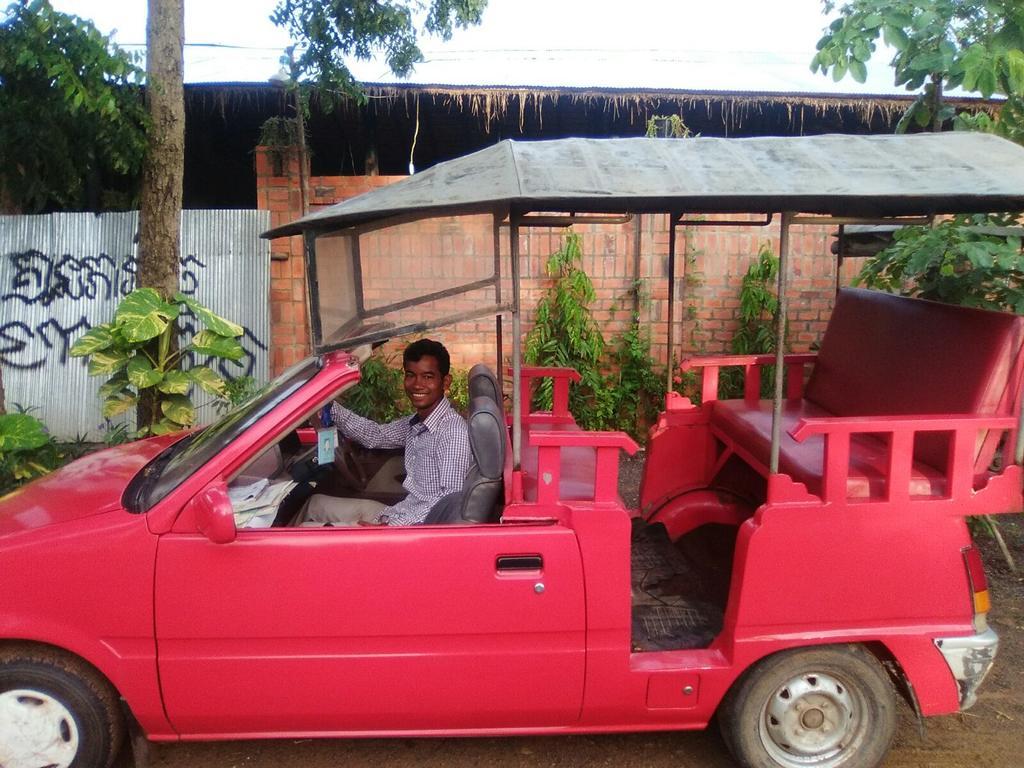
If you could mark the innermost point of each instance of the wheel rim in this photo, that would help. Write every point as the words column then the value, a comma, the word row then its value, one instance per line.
column 36, row 729
column 813, row 719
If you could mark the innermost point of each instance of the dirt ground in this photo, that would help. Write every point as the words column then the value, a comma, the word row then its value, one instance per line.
column 990, row 735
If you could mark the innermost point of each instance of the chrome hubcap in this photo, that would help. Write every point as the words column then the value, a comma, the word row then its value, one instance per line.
column 810, row 720
column 35, row 730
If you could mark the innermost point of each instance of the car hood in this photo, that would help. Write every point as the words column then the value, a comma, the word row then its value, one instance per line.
column 89, row 486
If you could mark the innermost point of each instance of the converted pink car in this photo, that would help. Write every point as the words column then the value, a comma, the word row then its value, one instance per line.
column 794, row 565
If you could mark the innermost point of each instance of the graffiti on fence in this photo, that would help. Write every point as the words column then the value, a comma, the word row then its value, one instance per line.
column 28, row 348
column 40, row 280
column 37, row 278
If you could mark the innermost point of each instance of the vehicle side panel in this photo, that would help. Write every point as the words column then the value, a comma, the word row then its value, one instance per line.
column 803, row 576
column 362, row 629
column 92, row 596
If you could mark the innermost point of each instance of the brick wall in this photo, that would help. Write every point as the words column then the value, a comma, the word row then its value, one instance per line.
column 439, row 253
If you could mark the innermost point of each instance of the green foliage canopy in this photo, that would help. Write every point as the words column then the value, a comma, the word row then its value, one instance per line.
column 379, row 394
column 963, row 260
column 566, row 335
column 73, row 126
column 939, row 44
column 619, row 385
column 329, row 30
column 758, row 319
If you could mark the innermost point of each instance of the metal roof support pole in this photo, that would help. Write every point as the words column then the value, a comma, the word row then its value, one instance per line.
column 1018, row 449
column 780, row 343
column 673, row 220
column 357, row 276
column 312, row 288
column 637, row 235
column 517, row 335
column 497, row 298
column 841, row 240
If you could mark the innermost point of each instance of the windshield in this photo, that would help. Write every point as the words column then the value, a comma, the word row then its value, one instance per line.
column 172, row 467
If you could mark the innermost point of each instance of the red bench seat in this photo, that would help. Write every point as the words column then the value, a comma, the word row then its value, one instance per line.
column 748, row 426
column 885, row 356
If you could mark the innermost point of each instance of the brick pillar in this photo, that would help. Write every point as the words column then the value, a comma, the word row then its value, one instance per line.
column 277, row 190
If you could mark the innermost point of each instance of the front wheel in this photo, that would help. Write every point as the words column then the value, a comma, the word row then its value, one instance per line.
column 55, row 711
column 829, row 707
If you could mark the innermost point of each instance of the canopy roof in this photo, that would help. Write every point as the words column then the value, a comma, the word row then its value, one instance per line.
column 870, row 176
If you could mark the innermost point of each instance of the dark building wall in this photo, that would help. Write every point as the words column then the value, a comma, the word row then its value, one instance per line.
column 223, row 125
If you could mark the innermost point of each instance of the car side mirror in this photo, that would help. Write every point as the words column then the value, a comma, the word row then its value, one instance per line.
column 214, row 515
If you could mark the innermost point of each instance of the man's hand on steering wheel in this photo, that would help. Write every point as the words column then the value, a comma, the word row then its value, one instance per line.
column 348, row 465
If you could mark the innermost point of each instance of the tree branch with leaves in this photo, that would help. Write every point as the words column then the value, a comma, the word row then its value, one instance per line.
column 73, row 131
column 938, row 45
column 328, row 31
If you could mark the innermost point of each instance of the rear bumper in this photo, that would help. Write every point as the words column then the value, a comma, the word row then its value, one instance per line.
column 969, row 658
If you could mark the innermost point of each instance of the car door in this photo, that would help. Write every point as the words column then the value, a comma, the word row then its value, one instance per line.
column 343, row 630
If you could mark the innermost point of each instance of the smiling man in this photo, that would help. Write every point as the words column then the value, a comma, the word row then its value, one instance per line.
column 435, row 438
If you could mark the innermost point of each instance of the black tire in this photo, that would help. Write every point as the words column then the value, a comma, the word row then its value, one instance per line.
column 68, row 703
column 827, row 707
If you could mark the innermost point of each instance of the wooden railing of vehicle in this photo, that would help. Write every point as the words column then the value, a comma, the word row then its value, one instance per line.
column 752, row 365
column 560, row 378
column 606, row 466
column 959, row 472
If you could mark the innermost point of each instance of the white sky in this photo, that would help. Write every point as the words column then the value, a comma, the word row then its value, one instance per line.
column 738, row 45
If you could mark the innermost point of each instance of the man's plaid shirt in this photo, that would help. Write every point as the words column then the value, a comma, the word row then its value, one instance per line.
column 437, row 454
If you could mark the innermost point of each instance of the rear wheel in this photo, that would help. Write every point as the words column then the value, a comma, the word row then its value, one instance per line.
column 830, row 707
column 55, row 711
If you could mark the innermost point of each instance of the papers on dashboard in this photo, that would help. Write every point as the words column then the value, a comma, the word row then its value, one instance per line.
column 257, row 507
column 240, row 494
column 256, row 518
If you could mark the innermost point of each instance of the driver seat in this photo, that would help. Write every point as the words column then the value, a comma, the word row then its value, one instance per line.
column 482, row 495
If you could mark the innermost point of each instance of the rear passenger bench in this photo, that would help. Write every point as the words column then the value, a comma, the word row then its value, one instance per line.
column 908, row 401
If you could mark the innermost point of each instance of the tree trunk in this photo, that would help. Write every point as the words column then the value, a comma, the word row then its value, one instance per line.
column 164, row 166
column 163, row 169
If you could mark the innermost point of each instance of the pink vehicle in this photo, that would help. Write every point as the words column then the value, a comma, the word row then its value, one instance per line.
column 777, row 574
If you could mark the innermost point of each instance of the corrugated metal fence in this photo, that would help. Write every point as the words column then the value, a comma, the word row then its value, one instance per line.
column 62, row 273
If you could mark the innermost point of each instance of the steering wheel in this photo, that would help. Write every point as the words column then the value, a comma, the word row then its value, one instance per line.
column 349, row 466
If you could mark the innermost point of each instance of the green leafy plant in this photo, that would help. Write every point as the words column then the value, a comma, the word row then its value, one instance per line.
column 458, row 392
column 136, row 351
column 755, row 335
column 237, row 390
column 759, row 306
column 281, row 135
column 27, row 450
column 115, row 433
column 566, row 335
column 379, row 394
column 667, row 127
column 636, row 380
column 962, row 260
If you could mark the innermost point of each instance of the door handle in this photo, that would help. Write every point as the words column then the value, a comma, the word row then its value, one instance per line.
column 507, row 563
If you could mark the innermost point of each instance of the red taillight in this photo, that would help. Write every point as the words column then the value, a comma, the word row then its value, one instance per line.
column 977, row 580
